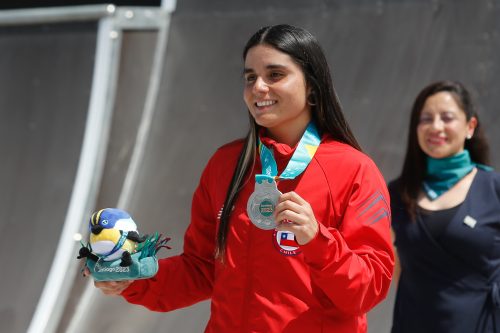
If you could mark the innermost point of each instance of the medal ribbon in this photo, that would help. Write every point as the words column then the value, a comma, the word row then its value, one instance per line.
column 301, row 158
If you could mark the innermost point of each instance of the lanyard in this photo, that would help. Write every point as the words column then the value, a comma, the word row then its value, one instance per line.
column 118, row 245
column 301, row 158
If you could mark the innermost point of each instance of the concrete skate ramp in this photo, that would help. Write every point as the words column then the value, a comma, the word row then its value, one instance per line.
column 45, row 114
column 381, row 53
column 45, row 82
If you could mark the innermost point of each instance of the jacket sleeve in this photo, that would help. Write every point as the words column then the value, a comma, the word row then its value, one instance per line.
column 187, row 278
column 353, row 264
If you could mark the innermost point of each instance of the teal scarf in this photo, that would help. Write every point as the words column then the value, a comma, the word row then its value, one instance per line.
column 444, row 173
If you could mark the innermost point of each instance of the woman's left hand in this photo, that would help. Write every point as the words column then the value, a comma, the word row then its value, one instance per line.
column 294, row 214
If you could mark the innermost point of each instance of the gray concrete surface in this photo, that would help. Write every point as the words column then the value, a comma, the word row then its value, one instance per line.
column 381, row 53
column 45, row 82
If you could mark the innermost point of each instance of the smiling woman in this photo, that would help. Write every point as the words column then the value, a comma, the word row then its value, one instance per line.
column 443, row 126
column 446, row 219
column 276, row 93
column 290, row 225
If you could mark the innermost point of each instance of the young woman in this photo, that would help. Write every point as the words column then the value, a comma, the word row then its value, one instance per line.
column 446, row 219
column 290, row 226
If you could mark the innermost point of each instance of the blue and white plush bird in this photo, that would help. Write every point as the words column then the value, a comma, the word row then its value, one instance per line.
column 115, row 250
column 113, row 235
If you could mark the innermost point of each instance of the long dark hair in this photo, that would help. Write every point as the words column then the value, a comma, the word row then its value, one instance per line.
column 305, row 50
column 414, row 167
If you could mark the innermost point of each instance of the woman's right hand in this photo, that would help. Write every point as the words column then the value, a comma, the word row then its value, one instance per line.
column 109, row 287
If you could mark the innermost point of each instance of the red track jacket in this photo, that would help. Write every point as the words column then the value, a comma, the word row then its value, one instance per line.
column 268, row 282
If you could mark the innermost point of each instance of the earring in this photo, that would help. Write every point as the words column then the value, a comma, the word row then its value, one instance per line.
column 469, row 136
column 311, row 99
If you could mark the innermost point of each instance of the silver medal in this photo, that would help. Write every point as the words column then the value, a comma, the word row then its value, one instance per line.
column 262, row 203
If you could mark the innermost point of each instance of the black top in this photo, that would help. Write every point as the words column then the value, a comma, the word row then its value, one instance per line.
column 450, row 284
column 437, row 220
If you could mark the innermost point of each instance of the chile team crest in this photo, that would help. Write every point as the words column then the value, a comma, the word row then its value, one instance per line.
column 285, row 243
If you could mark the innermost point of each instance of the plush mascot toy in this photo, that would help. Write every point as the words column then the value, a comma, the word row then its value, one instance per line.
column 116, row 251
